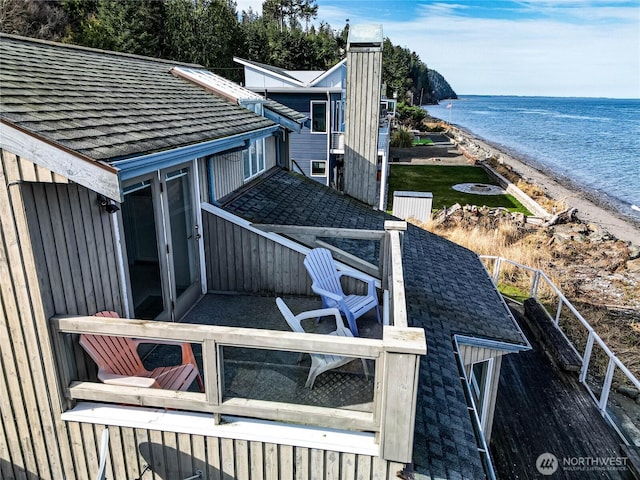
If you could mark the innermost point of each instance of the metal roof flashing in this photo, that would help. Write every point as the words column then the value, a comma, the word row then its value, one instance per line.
column 365, row 35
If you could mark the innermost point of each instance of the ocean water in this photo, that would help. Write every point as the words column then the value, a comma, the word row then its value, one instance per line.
column 589, row 143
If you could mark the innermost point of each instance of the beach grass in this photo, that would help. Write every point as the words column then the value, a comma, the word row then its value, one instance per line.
column 439, row 180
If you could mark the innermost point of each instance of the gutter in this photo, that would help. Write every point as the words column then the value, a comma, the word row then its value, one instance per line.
column 134, row 167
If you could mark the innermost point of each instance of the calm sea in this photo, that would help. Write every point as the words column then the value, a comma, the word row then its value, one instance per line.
column 592, row 143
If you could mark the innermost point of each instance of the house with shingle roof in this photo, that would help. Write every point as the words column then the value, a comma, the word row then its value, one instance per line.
column 345, row 144
column 159, row 191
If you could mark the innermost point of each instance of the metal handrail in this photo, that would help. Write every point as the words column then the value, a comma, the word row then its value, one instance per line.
column 592, row 338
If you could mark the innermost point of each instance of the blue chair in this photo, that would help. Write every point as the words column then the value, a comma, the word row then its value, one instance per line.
column 326, row 283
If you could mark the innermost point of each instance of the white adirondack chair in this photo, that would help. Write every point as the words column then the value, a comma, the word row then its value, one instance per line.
column 326, row 283
column 320, row 362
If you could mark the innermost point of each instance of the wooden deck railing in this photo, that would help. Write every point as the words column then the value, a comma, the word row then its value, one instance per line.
column 396, row 356
column 388, row 270
column 614, row 367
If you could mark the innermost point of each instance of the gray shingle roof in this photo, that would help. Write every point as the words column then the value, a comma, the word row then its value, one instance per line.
column 107, row 105
column 448, row 292
column 285, row 111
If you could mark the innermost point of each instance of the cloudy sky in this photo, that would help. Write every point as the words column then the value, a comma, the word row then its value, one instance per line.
column 588, row 48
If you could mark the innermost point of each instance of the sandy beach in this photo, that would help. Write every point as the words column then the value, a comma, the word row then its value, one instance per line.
column 558, row 189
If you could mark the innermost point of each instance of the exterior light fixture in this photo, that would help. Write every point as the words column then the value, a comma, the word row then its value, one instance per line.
column 107, row 204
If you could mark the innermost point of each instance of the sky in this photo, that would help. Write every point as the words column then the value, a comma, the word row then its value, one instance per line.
column 566, row 48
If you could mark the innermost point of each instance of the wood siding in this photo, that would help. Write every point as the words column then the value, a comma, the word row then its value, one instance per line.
column 306, row 146
column 470, row 355
column 177, row 455
column 228, row 170
column 57, row 257
column 364, row 70
column 238, row 260
column 53, row 259
column 227, row 173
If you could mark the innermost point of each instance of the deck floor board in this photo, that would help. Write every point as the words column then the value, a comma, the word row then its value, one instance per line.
column 541, row 409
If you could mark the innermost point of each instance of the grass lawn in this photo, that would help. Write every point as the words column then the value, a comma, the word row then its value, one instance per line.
column 438, row 179
column 423, row 141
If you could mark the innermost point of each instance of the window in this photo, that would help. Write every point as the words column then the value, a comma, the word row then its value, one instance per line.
column 253, row 158
column 480, row 381
column 318, row 117
column 318, row 168
column 337, row 117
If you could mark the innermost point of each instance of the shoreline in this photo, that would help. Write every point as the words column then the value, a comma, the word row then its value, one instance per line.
column 589, row 210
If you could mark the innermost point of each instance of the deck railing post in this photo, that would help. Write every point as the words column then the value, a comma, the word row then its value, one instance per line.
column 606, row 386
column 213, row 374
column 394, row 230
column 559, row 310
column 535, row 281
column 497, row 267
column 401, row 363
column 586, row 357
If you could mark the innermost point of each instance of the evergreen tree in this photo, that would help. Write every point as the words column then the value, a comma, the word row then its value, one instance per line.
column 208, row 32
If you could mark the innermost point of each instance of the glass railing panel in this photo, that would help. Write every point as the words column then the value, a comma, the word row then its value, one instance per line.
column 283, row 376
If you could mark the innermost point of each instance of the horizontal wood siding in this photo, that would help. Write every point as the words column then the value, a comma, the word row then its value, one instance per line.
column 238, row 260
column 307, row 146
column 227, row 173
column 178, row 455
column 300, row 102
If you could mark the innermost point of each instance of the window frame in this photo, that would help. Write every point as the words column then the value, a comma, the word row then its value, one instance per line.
column 324, row 172
column 326, row 120
column 253, row 157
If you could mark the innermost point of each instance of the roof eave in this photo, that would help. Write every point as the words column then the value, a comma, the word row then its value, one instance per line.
column 134, row 167
column 492, row 344
column 288, row 123
column 250, row 64
column 88, row 172
column 328, row 72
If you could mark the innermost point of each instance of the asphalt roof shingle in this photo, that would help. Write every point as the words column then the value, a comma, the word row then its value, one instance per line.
column 107, row 105
column 448, row 292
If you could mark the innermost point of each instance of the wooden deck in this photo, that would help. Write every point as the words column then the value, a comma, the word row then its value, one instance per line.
column 541, row 409
column 272, row 375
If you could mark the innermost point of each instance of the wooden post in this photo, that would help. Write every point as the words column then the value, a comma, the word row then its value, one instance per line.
column 395, row 274
column 402, row 350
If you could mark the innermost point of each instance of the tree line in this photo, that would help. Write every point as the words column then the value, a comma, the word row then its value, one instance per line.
column 212, row 32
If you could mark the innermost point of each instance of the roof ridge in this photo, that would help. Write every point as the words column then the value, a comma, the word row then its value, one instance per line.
column 98, row 50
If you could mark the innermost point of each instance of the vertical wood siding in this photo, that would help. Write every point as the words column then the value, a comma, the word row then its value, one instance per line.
column 227, row 173
column 470, row 355
column 238, row 260
column 56, row 256
column 178, row 455
column 361, row 123
column 270, row 153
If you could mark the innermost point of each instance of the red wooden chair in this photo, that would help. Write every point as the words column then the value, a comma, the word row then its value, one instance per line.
column 119, row 363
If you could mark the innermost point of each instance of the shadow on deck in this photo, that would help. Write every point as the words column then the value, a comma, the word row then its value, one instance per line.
column 541, row 409
column 278, row 376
